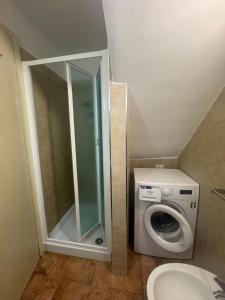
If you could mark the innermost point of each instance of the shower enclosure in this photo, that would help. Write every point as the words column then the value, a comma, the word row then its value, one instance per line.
column 68, row 112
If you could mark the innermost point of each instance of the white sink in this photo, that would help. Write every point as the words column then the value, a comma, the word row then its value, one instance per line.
column 181, row 282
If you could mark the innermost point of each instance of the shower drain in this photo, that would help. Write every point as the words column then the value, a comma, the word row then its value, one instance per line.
column 99, row 241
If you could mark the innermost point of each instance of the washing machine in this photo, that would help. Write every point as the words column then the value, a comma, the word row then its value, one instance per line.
column 166, row 206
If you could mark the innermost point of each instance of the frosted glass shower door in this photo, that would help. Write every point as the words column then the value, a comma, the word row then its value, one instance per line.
column 82, row 86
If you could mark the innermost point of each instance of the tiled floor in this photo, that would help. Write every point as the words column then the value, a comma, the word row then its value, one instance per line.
column 70, row 278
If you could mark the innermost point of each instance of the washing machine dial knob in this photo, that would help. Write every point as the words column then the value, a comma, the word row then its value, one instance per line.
column 166, row 192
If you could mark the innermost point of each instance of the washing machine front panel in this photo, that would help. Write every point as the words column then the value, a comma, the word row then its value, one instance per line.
column 167, row 226
column 171, row 231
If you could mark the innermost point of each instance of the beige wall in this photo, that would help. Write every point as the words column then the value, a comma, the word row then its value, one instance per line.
column 119, row 177
column 19, row 248
column 52, row 116
column 204, row 160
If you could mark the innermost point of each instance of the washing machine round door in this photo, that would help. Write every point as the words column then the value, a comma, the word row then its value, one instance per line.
column 168, row 227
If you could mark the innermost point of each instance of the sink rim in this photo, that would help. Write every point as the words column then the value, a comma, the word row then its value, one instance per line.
column 203, row 275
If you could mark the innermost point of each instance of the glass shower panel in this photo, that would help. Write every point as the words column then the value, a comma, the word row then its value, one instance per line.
column 86, row 151
column 50, row 99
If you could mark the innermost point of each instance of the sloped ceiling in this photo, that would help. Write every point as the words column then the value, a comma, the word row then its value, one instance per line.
column 30, row 38
column 70, row 26
column 172, row 55
column 170, row 52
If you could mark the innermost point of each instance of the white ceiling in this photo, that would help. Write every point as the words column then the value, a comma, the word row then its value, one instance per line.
column 70, row 26
column 91, row 64
column 172, row 54
column 30, row 38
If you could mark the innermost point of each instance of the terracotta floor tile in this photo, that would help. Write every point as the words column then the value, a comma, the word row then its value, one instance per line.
column 162, row 261
column 49, row 262
column 148, row 265
column 46, row 277
column 72, row 290
column 60, row 277
column 80, row 270
column 132, row 282
column 145, row 292
column 33, row 287
column 148, row 261
column 98, row 292
column 39, row 288
column 46, row 292
column 115, row 294
column 52, row 266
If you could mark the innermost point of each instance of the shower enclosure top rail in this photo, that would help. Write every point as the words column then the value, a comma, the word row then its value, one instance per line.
column 42, row 61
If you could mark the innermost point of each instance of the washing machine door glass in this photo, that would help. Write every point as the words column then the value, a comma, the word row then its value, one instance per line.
column 168, row 227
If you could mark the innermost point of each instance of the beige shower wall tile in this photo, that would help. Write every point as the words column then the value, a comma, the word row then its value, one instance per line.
column 118, row 120
column 52, row 118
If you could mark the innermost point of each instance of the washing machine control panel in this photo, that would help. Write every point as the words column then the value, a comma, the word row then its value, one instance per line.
column 150, row 193
column 158, row 193
column 179, row 193
column 186, row 192
column 166, row 192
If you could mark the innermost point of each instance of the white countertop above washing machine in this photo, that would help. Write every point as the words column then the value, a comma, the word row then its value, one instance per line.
column 156, row 176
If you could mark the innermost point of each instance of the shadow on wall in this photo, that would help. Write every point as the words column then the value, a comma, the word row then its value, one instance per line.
column 138, row 131
column 136, row 152
column 203, row 159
